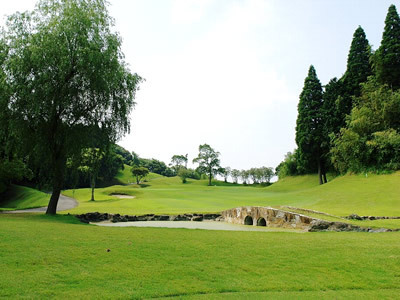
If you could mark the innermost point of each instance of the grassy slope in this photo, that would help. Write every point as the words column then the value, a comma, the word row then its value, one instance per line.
column 372, row 195
column 125, row 176
column 19, row 197
column 147, row 262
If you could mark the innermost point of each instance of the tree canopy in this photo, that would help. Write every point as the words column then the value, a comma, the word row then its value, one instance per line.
column 360, row 111
column 309, row 126
column 387, row 57
column 178, row 162
column 67, row 79
column 139, row 173
column 208, row 160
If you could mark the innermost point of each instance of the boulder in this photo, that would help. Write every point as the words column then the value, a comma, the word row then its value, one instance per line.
column 211, row 216
column 354, row 217
column 197, row 218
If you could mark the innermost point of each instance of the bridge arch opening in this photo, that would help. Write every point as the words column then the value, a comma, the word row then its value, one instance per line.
column 261, row 222
column 248, row 220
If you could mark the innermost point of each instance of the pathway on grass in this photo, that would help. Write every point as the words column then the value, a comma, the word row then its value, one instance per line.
column 209, row 225
column 64, row 203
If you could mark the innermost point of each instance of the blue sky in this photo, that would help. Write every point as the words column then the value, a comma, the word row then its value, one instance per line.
column 229, row 72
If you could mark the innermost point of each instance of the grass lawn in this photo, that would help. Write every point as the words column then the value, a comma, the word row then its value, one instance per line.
column 20, row 197
column 377, row 195
column 57, row 257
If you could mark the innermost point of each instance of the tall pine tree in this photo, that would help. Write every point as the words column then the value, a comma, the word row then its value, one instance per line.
column 358, row 63
column 357, row 72
column 387, row 57
column 332, row 97
column 309, row 127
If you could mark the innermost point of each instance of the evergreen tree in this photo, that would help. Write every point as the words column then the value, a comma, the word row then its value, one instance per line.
column 333, row 119
column 387, row 57
column 309, row 127
column 357, row 72
column 332, row 97
column 358, row 63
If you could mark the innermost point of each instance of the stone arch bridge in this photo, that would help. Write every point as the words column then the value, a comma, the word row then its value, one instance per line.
column 267, row 216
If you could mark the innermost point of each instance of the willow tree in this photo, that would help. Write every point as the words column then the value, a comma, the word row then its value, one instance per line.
column 67, row 78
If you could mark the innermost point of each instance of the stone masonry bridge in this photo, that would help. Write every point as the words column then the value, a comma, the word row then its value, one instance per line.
column 267, row 216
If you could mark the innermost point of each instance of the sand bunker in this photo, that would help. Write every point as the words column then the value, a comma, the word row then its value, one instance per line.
column 123, row 196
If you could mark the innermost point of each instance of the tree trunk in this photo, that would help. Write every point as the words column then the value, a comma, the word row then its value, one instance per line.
column 320, row 172
column 52, row 207
column 58, row 179
column 92, row 185
column 209, row 178
column 324, row 173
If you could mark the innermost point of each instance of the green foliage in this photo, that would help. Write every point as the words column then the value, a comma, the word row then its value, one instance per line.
column 334, row 112
column 309, row 127
column 208, row 160
column 226, row 172
column 339, row 94
column 139, row 173
column 288, row 167
column 385, row 149
column 183, row 173
column 156, row 166
column 67, row 76
column 261, row 175
column 127, row 157
column 14, row 170
column 370, row 141
column 178, row 162
column 387, row 57
column 80, row 167
column 135, row 159
column 111, row 164
column 12, row 167
column 90, row 164
column 244, row 175
column 358, row 65
column 235, row 174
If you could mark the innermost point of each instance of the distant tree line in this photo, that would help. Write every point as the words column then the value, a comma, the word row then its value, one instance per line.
column 261, row 175
column 352, row 124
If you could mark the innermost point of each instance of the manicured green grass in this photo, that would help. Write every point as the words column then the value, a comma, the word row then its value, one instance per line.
column 377, row 195
column 125, row 176
column 20, row 197
column 56, row 257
